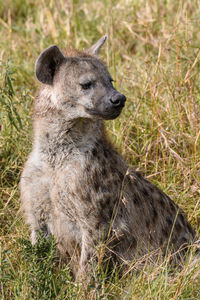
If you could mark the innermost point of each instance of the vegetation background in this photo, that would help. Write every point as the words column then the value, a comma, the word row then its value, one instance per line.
column 153, row 53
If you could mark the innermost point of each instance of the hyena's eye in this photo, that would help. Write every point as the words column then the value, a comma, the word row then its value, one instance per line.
column 87, row 85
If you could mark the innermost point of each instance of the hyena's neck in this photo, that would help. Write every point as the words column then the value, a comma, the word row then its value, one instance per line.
column 55, row 137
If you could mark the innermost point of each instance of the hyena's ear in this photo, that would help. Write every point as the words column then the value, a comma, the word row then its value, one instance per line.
column 95, row 49
column 47, row 63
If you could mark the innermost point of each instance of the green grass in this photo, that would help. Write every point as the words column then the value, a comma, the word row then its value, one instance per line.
column 153, row 53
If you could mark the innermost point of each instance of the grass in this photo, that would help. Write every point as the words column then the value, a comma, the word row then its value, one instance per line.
column 153, row 54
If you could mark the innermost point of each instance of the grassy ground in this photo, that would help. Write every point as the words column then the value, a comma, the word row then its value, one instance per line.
column 153, row 53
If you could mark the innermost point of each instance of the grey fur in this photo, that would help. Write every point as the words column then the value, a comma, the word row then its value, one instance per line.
column 75, row 185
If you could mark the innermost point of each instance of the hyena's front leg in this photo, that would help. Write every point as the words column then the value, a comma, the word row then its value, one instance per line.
column 35, row 201
column 87, row 254
column 33, row 237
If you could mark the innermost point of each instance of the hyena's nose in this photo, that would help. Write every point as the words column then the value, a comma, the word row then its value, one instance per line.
column 118, row 100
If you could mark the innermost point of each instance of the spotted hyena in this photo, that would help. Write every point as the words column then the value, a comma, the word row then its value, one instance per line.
column 75, row 185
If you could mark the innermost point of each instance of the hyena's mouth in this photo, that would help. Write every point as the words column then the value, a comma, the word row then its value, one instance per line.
column 110, row 114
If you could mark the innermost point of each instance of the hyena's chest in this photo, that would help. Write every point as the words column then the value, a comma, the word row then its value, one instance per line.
column 85, row 187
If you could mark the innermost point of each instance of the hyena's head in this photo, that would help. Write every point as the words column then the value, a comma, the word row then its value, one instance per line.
column 79, row 83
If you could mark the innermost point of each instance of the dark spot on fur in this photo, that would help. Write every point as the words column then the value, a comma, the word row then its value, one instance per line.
column 103, row 161
column 145, row 193
column 44, row 229
column 121, row 176
column 182, row 218
column 136, row 200
column 110, row 214
column 102, row 205
column 88, row 197
column 169, row 221
column 133, row 242
column 96, row 186
column 165, row 232
column 103, row 216
column 94, row 152
column 47, row 135
column 152, row 189
column 172, row 206
column 84, row 198
column 107, row 201
column 116, row 183
column 162, row 202
column 88, row 168
column 161, row 242
column 174, row 239
column 147, row 223
column 155, row 215
column 104, row 172
column 97, row 225
column 120, row 212
column 105, row 152
column 95, row 179
column 178, row 227
column 99, row 143
column 88, row 212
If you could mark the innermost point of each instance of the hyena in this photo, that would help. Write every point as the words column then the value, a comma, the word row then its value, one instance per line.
column 75, row 185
